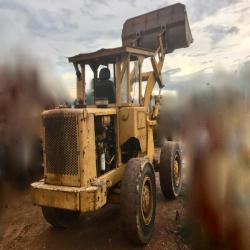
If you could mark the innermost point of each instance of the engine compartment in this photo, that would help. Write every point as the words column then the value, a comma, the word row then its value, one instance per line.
column 105, row 144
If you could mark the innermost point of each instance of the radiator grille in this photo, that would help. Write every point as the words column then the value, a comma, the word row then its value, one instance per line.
column 61, row 144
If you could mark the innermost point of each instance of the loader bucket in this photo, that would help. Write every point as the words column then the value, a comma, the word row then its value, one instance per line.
column 142, row 31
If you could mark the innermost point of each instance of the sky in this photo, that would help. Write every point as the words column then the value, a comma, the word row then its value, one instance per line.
column 51, row 31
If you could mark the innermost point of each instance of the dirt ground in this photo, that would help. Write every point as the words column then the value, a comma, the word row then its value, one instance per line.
column 22, row 227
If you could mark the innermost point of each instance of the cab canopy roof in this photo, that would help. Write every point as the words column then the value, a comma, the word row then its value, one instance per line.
column 105, row 56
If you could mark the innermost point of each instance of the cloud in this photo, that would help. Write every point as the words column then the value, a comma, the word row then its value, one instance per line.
column 131, row 2
column 206, row 62
column 200, row 9
column 42, row 22
column 199, row 54
column 47, row 22
column 93, row 36
column 174, row 71
column 218, row 32
column 98, row 2
column 242, row 10
column 13, row 6
column 94, row 16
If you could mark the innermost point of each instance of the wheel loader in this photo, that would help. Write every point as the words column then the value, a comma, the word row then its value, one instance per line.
column 101, row 150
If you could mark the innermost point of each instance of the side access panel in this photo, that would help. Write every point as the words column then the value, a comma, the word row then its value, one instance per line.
column 133, row 123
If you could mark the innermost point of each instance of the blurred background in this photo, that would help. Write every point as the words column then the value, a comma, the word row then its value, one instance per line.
column 205, row 104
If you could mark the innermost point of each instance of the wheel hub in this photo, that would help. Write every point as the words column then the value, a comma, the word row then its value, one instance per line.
column 176, row 171
column 146, row 200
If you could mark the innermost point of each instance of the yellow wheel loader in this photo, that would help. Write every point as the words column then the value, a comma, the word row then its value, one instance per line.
column 102, row 151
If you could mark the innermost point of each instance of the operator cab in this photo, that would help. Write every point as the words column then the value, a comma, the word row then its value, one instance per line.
column 111, row 77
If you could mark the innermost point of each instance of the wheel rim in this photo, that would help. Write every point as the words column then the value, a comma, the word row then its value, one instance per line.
column 147, row 201
column 177, row 171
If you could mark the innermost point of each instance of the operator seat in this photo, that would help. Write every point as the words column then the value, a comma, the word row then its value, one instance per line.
column 105, row 88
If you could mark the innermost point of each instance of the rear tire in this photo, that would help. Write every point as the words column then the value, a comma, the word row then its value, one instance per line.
column 170, row 170
column 138, row 200
column 60, row 218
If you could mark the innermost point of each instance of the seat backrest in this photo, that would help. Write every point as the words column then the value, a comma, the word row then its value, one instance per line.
column 105, row 88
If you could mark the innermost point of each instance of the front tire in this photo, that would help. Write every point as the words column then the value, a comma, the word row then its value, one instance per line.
column 138, row 200
column 170, row 170
column 60, row 218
